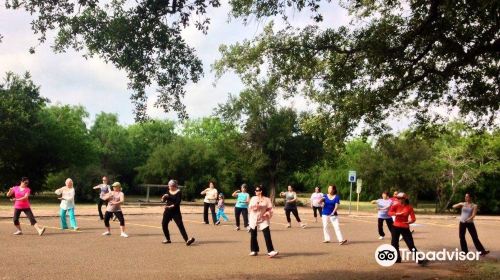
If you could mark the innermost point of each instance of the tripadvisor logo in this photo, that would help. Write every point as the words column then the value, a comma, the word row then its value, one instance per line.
column 386, row 255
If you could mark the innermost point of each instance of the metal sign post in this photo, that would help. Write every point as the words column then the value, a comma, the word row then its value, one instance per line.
column 359, row 182
column 352, row 179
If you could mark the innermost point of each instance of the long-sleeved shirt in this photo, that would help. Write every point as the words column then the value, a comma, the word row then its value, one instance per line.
column 402, row 212
column 68, row 195
column 173, row 199
column 256, row 210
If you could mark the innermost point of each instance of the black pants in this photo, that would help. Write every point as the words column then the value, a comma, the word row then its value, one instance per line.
column 295, row 213
column 177, row 217
column 99, row 206
column 237, row 212
column 109, row 215
column 407, row 237
column 317, row 209
column 473, row 233
column 27, row 212
column 205, row 212
column 389, row 223
column 254, row 245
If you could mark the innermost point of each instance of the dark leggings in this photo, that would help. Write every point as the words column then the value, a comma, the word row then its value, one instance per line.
column 109, row 215
column 317, row 209
column 389, row 223
column 205, row 212
column 99, row 206
column 254, row 245
column 473, row 233
column 177, row 217
column 27, row 212
column 407, row 237
column 237, row 212
column 294, row 212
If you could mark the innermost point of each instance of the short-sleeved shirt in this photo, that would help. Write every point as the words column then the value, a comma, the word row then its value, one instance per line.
column 18, row 193
column 241, row 200
column 289, row 196
column 210, row 196
column 383, row 203
column 69, row 198
column 104, row 190
column 329, row 204
column 115, row 196
column 316, row 199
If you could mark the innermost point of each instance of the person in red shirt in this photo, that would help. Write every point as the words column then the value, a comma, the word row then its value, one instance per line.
column 404, row 217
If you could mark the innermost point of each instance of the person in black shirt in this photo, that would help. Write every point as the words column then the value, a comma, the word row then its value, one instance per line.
column 172, row 200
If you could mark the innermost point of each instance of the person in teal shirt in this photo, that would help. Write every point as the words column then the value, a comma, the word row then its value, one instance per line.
column 241, row 206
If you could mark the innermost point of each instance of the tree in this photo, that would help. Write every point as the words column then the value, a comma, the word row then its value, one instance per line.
column 395, row 58
column 20, row 104
column 144, row 39
column 272, row 139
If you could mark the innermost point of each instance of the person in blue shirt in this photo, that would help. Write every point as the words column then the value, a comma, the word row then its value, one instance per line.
column 331, row 202
column 383, row 205
column 241, row 206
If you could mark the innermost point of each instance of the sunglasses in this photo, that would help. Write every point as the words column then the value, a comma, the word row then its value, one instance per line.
column 258, row 190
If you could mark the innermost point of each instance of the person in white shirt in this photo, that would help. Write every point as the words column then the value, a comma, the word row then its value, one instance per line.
column 67, row 197
column 210, row 200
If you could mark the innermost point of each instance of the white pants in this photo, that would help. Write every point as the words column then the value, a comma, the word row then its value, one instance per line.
column 335, row 222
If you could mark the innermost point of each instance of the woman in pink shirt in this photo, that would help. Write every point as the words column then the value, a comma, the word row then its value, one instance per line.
column 20, row 196
column 260, row 212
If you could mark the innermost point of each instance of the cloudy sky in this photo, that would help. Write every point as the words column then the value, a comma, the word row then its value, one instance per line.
column 68, row 78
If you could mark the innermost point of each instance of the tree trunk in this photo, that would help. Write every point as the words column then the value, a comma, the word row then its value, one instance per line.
column 272, row 187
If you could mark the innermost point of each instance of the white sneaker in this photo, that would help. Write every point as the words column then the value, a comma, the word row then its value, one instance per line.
column 107, row 233
column 326, row 241
column 303, row 225
column 381, row 238
column 237, row 228
column 123, row 234
column 248, row 229
column 40, row 232
column 400, row 237
column 272, row 254
column 18, row 233
column 77, row 228
column 253, row 254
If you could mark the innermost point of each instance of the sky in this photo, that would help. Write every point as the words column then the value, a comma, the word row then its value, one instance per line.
column 68, row 78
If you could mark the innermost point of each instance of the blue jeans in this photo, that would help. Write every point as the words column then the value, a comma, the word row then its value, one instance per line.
column 72, row 219
column 220, row 213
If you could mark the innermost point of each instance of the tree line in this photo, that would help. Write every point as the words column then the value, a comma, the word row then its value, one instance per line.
column 251, row 139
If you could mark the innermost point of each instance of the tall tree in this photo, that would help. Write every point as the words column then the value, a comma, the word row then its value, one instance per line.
column 272, row 138
column 143, row 38
column 394, row 58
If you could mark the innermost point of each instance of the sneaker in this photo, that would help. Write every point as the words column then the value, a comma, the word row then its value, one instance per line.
column 107, row 233
column 18, row 233
column 190, row 241
column 248, row 229
column 343, row 242
column 114, row 218
column 77, row 228
column 326, row 241
column 237, row 228
column 272, row 254
column 217, row 223
column 484, row 253
column 253, row 254
column 303, row 225
column 381, row 238
column 288, row 226
column 165, row 241
column 41, row 231
column 123, row 234
column 412, row 231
